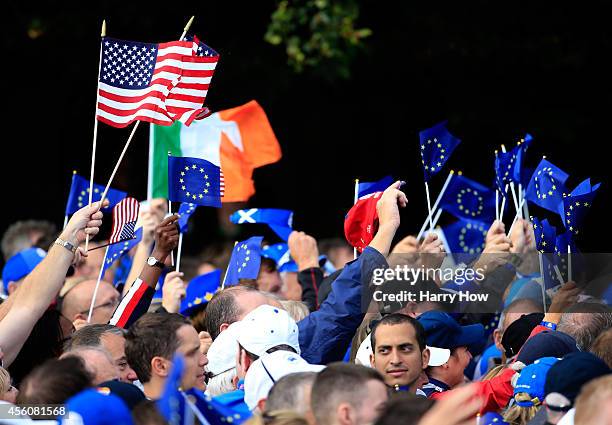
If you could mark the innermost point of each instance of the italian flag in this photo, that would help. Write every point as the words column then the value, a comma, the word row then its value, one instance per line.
column 238, row 140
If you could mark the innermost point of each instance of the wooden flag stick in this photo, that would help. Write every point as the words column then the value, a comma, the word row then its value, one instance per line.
column 514, row 199
column 95, row 131
column 429, row 207
column 93, row 299
column 570, row 276
column 228, row 266
column 355, row 198
column 558, row 273
column 438, row 200
column 542, row 280
column 178, row 253
column 496, row 204
column 516, row 217
column 437, row 217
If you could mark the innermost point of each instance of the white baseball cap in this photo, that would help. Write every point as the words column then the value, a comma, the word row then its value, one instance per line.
column 268, row 369
column 438, row 356
column 223, row 350
column 364, row 351
column 266, row 327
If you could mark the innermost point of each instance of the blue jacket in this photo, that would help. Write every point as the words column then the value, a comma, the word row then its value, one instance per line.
column 326, row 333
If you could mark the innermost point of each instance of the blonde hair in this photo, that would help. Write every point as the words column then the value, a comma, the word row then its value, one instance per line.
column 591, row 399
column 496, row 371
column 296, row 309
column 5, row 381
column 518, row 415
column 277, row 417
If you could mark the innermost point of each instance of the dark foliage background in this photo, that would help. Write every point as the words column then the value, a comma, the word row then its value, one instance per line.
column 495, row 70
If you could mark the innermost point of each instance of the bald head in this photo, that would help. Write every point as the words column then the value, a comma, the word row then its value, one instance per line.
column 98, row 363
column 77, row 301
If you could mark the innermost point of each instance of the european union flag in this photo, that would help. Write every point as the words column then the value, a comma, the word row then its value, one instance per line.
column 547, row 186
column 507, row 168
column 465, row 198
column 79, row 195
column 576, row 205
column 545, row 235
column 116, row 251
column 466, row 237
column 550, row 277
column 245, row 261
column 199, row 291
column 437, row 144
column 195, row 180
column 365, row 188
column 185, row 211
column 280, row 221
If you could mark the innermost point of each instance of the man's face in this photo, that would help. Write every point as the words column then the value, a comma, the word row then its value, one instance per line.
column 457, row 362
column 115, row 345
column 194, row 360
column 373, row 404
column 107, row 300
column 397, row 355
column 269, row 281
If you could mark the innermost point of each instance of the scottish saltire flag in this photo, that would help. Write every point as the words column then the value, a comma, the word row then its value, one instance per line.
column 547, row 186
column 159, row 83
column 280, row 221
column 185, row 211
column 117, row 250
column 79, row 195
column 577, row 204
column 195, row 180
column 465, row 198
column 436, row 145
column 245, row 261
column 365, row 188
column 545, row 235
column 125, row 215
column 466, row 236
column 199, row 291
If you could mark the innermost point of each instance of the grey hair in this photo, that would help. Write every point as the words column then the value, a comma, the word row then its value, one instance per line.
column 585, row 323
column 289, row 391
column 296, row 309
column 91, row 336
column 221, row 383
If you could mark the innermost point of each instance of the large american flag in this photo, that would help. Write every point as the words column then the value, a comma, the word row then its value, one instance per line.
column 125, row 215
column 158, row 83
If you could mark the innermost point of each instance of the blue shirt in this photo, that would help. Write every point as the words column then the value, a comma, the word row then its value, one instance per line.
column 434, row 386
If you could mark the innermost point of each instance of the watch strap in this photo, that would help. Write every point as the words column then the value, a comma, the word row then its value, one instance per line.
column 68, row 245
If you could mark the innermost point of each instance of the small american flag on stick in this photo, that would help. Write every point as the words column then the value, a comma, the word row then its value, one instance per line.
column 125, row 215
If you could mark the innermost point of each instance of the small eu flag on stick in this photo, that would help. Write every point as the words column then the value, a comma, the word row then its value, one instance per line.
column 195, row 180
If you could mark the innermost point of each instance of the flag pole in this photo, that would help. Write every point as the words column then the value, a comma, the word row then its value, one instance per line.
column 438, row 200
column 496, row 204
column 133, row 129
column 542, row 280
column 95, row 131
column 93, row 299
column 178, row 253
column 569, row 263
column 66, row 215
column 355, row 198
column 514, row 199
column 437, row 217
column 169, row 214
column 226, row 270
column 516, row 217
column 429, row 206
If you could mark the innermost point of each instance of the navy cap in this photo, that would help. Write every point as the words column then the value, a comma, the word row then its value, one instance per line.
column 95, row 408
column 517, row 333
column 547, row 344
column 130, row 394
column 569, row 374
column 442, row 331
column 21, row 264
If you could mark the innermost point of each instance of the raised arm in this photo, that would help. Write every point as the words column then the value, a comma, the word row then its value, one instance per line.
column 44, row 283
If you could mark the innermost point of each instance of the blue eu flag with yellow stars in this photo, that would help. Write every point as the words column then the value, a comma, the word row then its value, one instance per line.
column 465, row 198
column 118, row 250
column 199, row 291
column 185, row 211
column 466, row 237
column 577, row 204
column 245, row 261
column 507, row 168
column 545, row 235
column 436, row 146
column 547, row 186
column 195, row 180
column 79, row 195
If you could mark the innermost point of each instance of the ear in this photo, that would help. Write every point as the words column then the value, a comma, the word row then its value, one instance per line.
column 223, row 327
column 235, row 381
column 372, row 361
column 344, row 414
column 12, row 287
column 78, row 316
column 261, row 405
column 425, row 358
column 159, row 366
column 497, row 337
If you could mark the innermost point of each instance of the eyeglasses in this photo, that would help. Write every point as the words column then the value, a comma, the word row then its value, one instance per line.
column 112, row 304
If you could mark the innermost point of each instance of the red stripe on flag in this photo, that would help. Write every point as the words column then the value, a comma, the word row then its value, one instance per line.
column 131, row 305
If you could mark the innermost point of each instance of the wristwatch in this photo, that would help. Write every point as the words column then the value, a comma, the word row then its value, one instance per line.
column 69, row 246
column 153, row 262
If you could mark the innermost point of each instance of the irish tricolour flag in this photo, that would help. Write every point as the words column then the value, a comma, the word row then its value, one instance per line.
column 238, row 140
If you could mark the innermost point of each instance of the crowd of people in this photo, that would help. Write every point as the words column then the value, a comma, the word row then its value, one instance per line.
column 295, row 347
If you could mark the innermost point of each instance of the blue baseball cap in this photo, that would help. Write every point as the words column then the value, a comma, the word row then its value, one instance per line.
column 93, row 407
column 547, row 344
column 492, row 418
column 532, row 381
column 442, row 331
column 568, row 375
column 20, row 265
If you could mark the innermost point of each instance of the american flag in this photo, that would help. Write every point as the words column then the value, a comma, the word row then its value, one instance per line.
column 158, row 83
column 125, row 215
